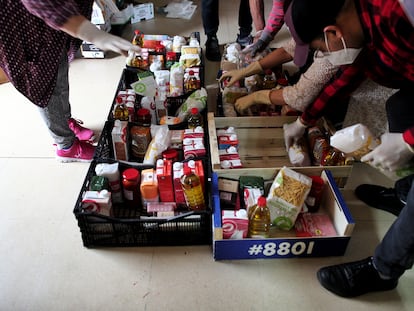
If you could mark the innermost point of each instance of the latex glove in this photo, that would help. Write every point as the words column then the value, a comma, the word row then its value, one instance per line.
column 90, row 33
column 257, row 47
column 393, row 152
column 259, row 97
column 292, row 132
column 238, row 74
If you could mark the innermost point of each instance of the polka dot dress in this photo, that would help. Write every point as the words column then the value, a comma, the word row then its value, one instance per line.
column 31, row 43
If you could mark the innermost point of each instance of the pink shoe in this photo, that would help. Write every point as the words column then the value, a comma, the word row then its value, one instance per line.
column 82, row 133
column 79, row 152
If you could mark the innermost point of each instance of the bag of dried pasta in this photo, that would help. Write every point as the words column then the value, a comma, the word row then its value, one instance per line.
column 287, row 196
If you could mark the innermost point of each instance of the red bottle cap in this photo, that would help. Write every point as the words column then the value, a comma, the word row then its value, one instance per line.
column 130, row 174
column 119, row 100
column 261, row 201
column 142, row 112
column 194, row 110
column 170, row 154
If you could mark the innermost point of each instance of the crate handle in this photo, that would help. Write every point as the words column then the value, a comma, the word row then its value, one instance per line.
column 167, row 220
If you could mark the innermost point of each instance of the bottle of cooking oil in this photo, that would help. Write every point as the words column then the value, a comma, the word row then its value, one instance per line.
column 193, row 191
column 190, row 82
column 195, row 118
column 259, row 219
column 269, row 80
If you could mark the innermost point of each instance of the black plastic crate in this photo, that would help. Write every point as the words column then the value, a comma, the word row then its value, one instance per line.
column 104, row 148
column 130, row 75
column 126, row 227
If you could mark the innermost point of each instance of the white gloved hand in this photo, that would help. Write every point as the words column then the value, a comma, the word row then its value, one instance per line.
column 393, row 152
column 292, row 132
column 90, row 33
column 238, row 74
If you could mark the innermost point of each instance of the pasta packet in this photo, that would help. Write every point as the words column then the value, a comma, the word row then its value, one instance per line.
column 287, row 196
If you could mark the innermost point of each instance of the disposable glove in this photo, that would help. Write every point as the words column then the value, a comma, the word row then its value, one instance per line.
column 103, row 40
column 259, row 97
column 292, row 132
column 257, row 47
column 238, row 74
column 393, row 152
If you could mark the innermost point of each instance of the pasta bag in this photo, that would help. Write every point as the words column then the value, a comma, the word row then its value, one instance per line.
column 287, row 196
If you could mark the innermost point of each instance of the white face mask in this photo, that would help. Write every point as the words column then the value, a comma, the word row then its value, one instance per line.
column 342, row 57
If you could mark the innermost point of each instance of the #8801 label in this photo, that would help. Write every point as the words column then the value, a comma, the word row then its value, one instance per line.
column 282, row 249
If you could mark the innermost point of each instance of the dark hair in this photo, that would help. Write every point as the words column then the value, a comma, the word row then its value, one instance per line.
column 310, row 17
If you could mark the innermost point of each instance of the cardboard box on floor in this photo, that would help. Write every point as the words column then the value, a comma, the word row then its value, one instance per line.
column 285, row 244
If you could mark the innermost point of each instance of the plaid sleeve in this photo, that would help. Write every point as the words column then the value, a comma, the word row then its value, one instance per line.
column 344, row 82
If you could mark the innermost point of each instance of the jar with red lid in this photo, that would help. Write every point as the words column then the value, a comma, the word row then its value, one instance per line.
column 131, row 178
column 143, row 117
column 170, row 154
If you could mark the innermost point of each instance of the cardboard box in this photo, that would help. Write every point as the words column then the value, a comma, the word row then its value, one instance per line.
column 89, row 50
column 142, row 12
column 285, row 244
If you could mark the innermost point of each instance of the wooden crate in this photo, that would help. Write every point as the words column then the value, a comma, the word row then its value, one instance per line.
column 262, row 147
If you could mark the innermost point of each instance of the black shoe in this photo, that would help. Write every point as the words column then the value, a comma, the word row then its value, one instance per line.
column 380, row 197
column 213, row 49
column 244, row 41
column 354, row 279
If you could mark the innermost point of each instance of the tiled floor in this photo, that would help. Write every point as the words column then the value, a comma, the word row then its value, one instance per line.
column 45, row 267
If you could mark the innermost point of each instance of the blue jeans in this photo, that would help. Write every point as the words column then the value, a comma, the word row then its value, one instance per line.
column 210, row 17
column 56, row 114
column 395, row 253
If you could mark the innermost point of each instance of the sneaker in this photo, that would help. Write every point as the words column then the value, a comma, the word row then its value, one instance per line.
column 82, row 133
column 80, row 151
column 244, row 41
column 213, row 49
column 354, row 279
column 379, row 197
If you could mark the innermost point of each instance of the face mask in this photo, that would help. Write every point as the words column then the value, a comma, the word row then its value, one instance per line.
column 342, row 57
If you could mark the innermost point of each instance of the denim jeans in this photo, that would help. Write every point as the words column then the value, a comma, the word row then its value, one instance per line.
column 56, row 114
column 395, row 253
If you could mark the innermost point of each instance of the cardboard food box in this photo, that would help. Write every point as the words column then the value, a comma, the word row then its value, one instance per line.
column 285, row 244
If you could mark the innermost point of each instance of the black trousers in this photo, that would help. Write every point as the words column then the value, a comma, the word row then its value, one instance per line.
column 210, row 16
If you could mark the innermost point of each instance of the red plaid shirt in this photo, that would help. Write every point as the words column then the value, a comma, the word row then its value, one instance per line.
column 31, row 44
column 387, row 58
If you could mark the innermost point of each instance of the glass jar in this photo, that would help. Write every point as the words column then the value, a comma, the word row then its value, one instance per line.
column 143, row 117
column 130, row 182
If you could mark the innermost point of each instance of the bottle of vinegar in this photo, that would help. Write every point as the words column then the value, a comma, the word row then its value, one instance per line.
column 193, row 191
column 138, row 38
column 259, row 219
column 120, row 110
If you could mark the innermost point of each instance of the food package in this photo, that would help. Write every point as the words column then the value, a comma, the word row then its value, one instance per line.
column 287, row 196
column 356, row 140
column 299, row 154
column 235, row 224
column 197, row 99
